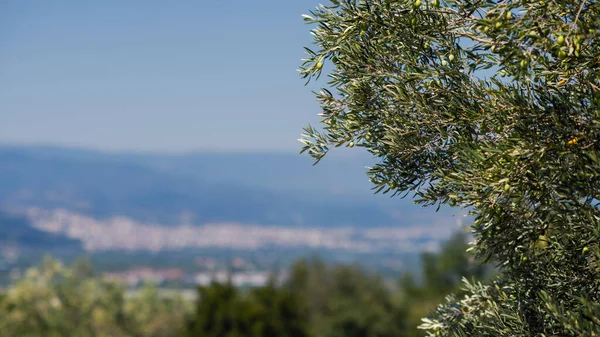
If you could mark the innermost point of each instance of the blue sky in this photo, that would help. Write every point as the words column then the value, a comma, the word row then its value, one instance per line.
column 149, row 75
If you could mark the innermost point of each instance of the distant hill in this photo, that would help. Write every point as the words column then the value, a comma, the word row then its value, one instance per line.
column 340, row 173
column 16, row 231
column 199, row 188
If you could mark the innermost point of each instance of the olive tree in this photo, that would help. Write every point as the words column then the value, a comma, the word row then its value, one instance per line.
column 491, row 106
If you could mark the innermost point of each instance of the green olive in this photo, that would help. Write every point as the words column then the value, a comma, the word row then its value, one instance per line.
column 542, row 242
column 523, row 63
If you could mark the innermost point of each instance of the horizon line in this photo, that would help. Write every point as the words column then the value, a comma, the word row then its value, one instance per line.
column 186, row 152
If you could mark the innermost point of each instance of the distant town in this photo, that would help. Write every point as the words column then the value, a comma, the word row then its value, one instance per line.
column 123, row 233
column 246, row 255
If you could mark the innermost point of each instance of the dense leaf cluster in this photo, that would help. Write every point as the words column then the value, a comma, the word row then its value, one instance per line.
column 491, row 106
column 267, row 311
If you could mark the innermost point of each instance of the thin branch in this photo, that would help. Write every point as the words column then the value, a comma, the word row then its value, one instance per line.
column 578, row 12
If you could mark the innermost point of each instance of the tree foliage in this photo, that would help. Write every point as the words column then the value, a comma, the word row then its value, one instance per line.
column 490, row 106
column 318, row 299
column 53, row 300
column 150, row 315
column 326, row 300
column 346, row 301
column 442, row 273
column 222, row 310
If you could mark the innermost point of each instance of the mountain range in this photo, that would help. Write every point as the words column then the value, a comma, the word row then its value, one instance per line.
column 131, row 201
column 201, row 188
column 16, row 231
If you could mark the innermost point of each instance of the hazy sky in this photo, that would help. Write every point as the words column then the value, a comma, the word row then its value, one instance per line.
column 154, row 75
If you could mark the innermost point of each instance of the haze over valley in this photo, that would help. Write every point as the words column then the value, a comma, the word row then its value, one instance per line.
column 131, row 202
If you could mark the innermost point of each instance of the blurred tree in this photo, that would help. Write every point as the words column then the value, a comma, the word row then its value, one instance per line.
column 442, row 273
column 220, row 311
column 265, row 311
column 279, row 312
column 150, row 315
column 320, row 299
column 345, row 301
column 52, row 300
column 493, row 106
column 83, row 268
